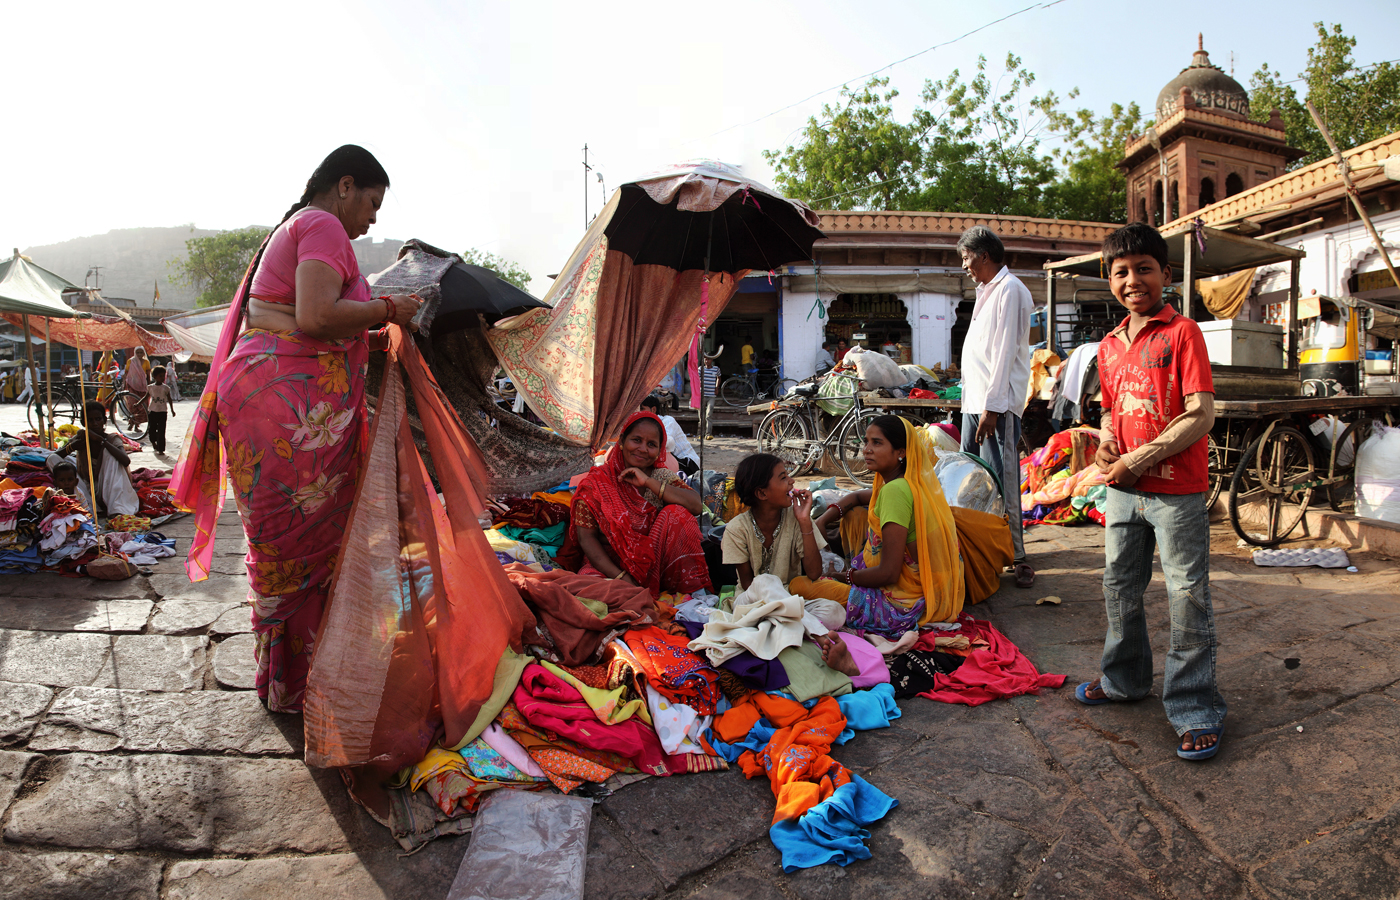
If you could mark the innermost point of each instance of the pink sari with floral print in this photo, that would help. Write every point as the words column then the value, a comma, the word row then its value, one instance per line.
column 292, row 419
column 283, row 417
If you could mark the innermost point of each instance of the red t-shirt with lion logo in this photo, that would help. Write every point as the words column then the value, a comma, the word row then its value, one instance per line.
column 1145, row 387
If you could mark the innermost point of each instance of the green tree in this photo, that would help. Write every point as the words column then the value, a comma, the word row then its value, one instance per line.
column 507, row 269
column 1359, row 104
column 214, row 265
column 1092, row 188
column 855, row 156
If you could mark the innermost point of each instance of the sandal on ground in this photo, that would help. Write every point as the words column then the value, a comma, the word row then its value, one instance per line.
column 1025, row 575
column 1081, row 694
column 1195, row 733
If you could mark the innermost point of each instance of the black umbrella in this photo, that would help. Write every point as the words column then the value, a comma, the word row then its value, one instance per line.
column 468, row 290
column 750, row 230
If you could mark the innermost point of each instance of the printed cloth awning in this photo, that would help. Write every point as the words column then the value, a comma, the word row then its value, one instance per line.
column 100, row 333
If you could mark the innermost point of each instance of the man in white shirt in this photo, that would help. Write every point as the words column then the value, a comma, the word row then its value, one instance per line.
column 996, row 368
column 825, row 361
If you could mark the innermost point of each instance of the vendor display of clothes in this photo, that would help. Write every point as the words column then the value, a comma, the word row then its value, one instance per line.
column 1060, row 484
column 620, row 684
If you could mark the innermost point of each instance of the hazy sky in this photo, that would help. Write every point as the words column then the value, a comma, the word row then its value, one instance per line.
column 146, row 114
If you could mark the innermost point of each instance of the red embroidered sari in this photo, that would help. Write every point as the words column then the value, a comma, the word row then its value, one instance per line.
column 658, row 545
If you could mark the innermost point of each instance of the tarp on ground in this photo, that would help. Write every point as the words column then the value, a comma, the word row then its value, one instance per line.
column 27, row 289
column 100, row 333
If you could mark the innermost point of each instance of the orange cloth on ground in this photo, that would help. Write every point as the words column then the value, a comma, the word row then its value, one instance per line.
column 796, row 759
column 984, row 541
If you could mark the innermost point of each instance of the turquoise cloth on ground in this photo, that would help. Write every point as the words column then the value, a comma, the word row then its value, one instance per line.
column 832, row 830
column 870, row 709
column 553, row 536
column 488, row 765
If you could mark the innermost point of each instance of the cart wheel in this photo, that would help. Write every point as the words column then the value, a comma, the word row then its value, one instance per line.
column 1341, row 495
column 1215, row 462
column 783, row 433
column 736, row 392
column 1272, row 487
column 848, row 446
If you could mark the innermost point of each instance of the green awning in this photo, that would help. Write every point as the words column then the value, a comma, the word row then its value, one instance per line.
column 33, row 290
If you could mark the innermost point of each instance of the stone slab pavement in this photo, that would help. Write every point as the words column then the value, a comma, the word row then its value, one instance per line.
column 135, row 761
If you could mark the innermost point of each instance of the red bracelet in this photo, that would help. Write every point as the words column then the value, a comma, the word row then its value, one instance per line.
column 392, row 308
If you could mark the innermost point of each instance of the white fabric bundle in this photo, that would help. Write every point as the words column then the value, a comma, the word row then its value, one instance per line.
column 766, row 621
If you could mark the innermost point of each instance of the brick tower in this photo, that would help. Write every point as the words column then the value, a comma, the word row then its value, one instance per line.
column 1205, row 141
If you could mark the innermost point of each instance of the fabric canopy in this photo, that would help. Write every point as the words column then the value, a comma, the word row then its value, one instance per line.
column 101, row 333
column 27, row 289
column 197, row 331
column 1225, row 297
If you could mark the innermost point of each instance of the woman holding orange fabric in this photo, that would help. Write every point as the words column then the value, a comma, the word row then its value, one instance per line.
column 910, row 572
column 286, row 402
column 634, row 520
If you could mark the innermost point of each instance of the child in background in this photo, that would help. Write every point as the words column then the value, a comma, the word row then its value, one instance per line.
column 1159, row 404
column 709, row 379
column 159, row 393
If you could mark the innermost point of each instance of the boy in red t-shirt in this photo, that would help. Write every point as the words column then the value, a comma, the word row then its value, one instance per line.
column 1159, row 405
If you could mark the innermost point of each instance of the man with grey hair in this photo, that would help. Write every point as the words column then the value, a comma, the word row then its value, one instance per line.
column 996, row 369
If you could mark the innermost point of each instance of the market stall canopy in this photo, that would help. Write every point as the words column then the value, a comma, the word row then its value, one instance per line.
column 27, row 289
column 1224, row 253
column 100, row 333
column 197, row 331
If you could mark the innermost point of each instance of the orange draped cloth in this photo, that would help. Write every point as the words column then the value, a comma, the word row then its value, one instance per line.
column 797, row 758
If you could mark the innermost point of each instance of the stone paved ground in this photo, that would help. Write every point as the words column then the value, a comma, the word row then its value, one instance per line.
column 135, row 762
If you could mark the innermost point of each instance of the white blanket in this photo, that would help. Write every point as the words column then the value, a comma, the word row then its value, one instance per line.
column 766, row 621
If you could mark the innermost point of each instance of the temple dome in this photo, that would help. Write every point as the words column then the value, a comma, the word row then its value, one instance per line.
column 1210, row 87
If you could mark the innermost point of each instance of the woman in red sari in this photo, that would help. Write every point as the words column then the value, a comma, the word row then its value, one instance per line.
column 635, row 521
column 286, row 400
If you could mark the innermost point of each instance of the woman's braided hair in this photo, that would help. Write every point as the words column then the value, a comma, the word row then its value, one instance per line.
column 348, row 159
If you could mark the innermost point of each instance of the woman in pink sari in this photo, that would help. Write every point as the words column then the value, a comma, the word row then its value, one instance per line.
column 136, row 379
column 286, row 401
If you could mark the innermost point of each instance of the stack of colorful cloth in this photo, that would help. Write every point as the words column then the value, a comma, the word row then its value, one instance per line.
column 68, row 536
column 27, row 468
column 21, row 513
column 1060, row 485
column 539, row 521
column 152, row 490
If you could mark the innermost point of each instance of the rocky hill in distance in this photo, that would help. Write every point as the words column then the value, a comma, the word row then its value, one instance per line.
column 133, row 260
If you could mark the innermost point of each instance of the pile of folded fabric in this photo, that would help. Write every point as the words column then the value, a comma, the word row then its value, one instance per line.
column 1060, row 485
column 27, row 467
column 539, row 522
column 152, row 490
column 21, row 513
column 68, row 537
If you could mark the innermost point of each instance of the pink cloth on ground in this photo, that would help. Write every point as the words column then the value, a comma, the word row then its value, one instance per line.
column 309, row 234
column 497, row 739
column 871, row 661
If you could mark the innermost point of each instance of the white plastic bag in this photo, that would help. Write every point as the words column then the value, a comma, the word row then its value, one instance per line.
column 526, row 846
column 876, row 370
column 1378, row 475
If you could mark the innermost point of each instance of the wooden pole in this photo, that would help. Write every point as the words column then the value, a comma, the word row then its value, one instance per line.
column 33, row 376
column 1188, row 274
column 48, row 371
column 1345, row 171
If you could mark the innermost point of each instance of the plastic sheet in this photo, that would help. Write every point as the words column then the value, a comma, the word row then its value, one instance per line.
column 526, row 846
column 968, row 484
column 1377, row 485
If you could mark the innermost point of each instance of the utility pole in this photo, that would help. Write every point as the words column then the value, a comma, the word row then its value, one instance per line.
column 586, row 169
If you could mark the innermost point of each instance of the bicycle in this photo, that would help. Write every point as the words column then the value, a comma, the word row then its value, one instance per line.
column 795, row 434
column 738, row 391
column 68, row 408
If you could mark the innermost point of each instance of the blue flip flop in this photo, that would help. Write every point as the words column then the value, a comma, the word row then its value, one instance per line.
column 1207, row 753
column 1081, row 694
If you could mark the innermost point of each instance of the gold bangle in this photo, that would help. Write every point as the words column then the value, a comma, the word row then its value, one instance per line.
column 620, row 573
column 661, row 494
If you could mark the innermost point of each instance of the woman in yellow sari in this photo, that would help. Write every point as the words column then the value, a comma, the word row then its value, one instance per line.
column 910, row 572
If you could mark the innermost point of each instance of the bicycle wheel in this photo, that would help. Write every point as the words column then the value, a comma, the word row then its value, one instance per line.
column 736, row 392
column 849, row 442
column 780, row 389
column 1341, row 495
column 1272, row 487
column 65, row 409
column 784, row 434
column 122, row 416
column 1215, row 468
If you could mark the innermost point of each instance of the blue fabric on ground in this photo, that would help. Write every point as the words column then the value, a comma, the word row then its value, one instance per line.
column 757, row 738
column 831, row 831
column 873, row 708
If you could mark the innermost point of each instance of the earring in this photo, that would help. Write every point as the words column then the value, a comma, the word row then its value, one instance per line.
column 342, row 196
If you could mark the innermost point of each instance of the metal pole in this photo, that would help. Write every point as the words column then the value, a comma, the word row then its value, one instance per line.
column 1345, row 171
column 1188, row 273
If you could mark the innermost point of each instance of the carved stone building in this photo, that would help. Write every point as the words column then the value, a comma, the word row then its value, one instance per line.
column 1203, row 149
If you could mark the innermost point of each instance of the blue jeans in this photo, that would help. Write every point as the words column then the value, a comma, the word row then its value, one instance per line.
column 1001, row 452
column 1179, row 526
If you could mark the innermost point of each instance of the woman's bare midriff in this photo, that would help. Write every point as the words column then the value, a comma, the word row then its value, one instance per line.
column 271, row 316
